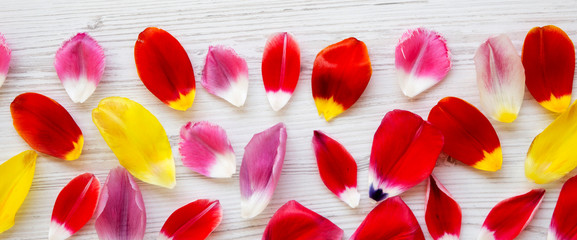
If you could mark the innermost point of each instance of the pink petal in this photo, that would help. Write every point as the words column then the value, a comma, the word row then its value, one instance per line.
column 80, row 64
column 121, row 214
column 193, row 221
column 261, row 168
column 500, row 78
column 422, row 60
column 5, row 55
column 225, row 74
column 205, row 149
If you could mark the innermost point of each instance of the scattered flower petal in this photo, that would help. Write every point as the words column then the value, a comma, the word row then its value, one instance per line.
column 225, row 74
column 563, row 222
column 442, row 212
column 195, row 220
column 5, row 56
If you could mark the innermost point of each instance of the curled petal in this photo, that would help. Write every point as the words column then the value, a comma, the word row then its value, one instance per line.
column 205, row 149
column 164, row 68
column 422, row 60
column 281, row 66
column 391, row 219
column 469, row 136
column 563, row 222
column 500, row 78
column 294, row 221
column 5, row 56
column 74, row 206
column 341, row 72
column 549, row 60
column 510, row 216
column 137, row 139
column 225, row 74
column 442, row 212
column 80, row 64
column 17, row 174
column 404, row 153
column 46, row 126
column 261, row 168
column 120, row 214
column 552, row 153
column 193, row 221
column 337, row 168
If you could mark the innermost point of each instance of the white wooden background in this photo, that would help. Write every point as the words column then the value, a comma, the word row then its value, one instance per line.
column 36, row 28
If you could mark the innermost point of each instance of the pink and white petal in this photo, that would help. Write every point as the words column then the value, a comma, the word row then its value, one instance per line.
column 225, row 74
column 5, row 56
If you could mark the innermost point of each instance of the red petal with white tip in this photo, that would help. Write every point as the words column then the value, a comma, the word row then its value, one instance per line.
column 293, row 221
column 442, row 212
column 205, row 149
column 5, row 56
column 510, row 216
column 281, row 67
column 392, row 219
column 337, row 168
column 80, row 64
column 405, row 150
column 261, row 168
column 121, row 214
column 563, row 223
column 225, row 74
column 422, row 60
column 469, row 136
column 74, row 206
column 194, row 221
column 549, row 60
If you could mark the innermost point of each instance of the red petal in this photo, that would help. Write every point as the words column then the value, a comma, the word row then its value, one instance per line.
column 442, row 212
column 74, row 206
column 293, row 221
column 564, row 223
column 392, row 219
column 549, row 61
column 405, row 150
column 46, row 126
column 469, row 136
column 337, row 168
column 193, row 221
column 341, row 72
column 510, row 216
column 164, row 68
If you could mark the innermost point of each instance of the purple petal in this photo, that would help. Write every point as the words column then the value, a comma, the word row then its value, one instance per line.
column 5, row 54
column 225, row 74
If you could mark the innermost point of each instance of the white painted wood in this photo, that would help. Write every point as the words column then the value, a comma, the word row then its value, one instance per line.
column 36, row 28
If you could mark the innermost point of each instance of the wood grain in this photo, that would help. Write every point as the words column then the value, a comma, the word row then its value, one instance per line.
column 36, row 28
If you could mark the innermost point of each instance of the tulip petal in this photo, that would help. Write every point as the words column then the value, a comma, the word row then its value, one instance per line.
column 194, row 221
column 422, row 60
column 404, row 153
column 261, row 168
column 74, row 206
column 205, row 149
column 552, row 153
column 281, row 66
column 121, row 214
column 46, row 126
column 442, row 212
column 391, row 219
column 137, row 139
column 341, row 72
column 500, row 78
column 563, row 223
column 337, row 168
column 17, row 174
column 164, row 68
column 293, row 221
column 510, row 216
column 225, row 74
column 80, row 64
column 469, row 136
column 549, row 60
column 5, row 56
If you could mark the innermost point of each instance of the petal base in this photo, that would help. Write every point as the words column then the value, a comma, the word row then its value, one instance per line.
column 491, row 162
column 183, row 102
column 328, row 108
column 75, row 153
column 557, row 104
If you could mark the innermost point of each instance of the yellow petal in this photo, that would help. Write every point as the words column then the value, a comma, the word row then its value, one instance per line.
column 552, row 154
column 16, row 174
column 137, row 139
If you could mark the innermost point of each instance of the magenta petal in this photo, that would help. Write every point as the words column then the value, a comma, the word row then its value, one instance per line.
column 225, row 74
column 205, row 149
column 121, row 214
column 80, row 64
column 261, row 168
column 5, row 55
